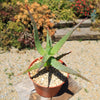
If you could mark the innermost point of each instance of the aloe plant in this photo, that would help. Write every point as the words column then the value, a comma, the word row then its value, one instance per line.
column 49, row 52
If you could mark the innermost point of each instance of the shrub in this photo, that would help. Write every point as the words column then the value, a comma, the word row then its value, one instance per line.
column 26, row 39
column 42, row 16
column 98, row 8
column 10, row 30
column 82, row 8
column 1, row 25
column 7, row 12
column 61, row 8
column 9, row 35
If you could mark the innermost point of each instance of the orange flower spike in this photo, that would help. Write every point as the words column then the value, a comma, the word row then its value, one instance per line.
column 19, row 3
column 44, row 17
column 51, row 24
column 39, row 9
column 47, row 20
column 25, row 22
column 35, row 16
column 18, row 20
column 45, row 26
column 36, row 4
column 39, row 15
column 48, row 11
column 53, row 15
column 45, row 7
column 26, row 1
column 38, row 27
column 41, row 19
column 33, row 7
column 40, row 23
column 31, row 10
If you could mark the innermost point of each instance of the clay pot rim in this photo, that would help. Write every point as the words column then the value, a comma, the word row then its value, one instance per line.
column 39, row 84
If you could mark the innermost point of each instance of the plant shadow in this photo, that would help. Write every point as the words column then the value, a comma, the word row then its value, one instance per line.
column 51, row 71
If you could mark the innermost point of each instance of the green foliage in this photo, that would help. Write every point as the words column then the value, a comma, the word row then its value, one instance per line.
column 86, row 90
column 11, row 1
column 8, row 11
column 98, row 8
column 61, row 8
column 14, row 26
column 48, row 53
column 10, row 75
column 9, row 35
column 10, row 84
column 1, row 25
column 4, row 0
column 41, row 2
column 13, row 33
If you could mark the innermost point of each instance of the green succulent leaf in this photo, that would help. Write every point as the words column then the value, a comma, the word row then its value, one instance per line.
column 59, row 44
column 44, row 60
column 49, row 42
column 33, row 67
column 62, row 55
column 39, row 65
column 61, row 67
column 36, row 37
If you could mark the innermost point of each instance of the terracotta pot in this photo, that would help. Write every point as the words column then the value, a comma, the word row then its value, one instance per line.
column 46, row 91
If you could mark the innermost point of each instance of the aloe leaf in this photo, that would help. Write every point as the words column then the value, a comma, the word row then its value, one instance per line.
column 59, row 44
column 62, row 55
column 49, row 42
column 33, row 67
column 42, row 63
column 38, row 65
column 44, row 60
column 36, row 37
column 61, row 67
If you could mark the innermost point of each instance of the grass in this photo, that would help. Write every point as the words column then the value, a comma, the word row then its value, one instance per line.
column 10, row 84
column 5, row 69
column 10, row 75
column 86, row 90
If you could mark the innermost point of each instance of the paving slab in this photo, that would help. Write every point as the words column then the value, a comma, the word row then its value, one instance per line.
column 80, row 33
column 24, row 88
column 83, row 32
column 64, row 24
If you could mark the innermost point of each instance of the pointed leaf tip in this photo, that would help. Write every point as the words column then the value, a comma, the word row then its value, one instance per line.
column 60, row 43
column 36, row 37
column 61, row 67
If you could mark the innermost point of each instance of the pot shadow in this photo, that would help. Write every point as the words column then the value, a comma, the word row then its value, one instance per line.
column 64, row 89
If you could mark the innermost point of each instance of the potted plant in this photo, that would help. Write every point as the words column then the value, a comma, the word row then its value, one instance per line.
column 48, row 64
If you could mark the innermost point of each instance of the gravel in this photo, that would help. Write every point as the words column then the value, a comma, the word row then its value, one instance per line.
column 52, row 77
column 85, row 58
